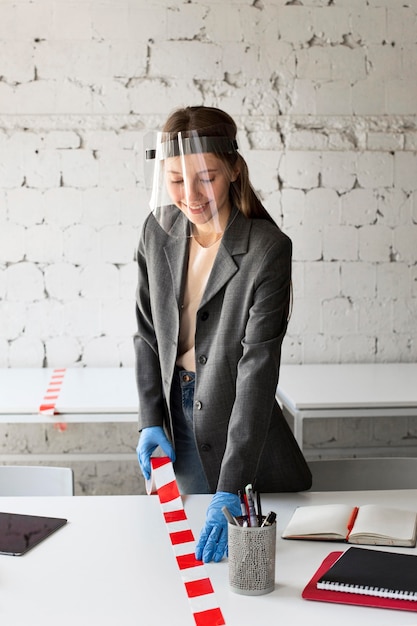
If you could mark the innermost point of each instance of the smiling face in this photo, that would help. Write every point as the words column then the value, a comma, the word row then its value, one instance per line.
column 198, row 184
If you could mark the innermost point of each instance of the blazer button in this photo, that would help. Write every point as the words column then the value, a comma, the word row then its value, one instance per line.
column 202, row 359
column 198, row 405
column 205, row 316
column 205, row 447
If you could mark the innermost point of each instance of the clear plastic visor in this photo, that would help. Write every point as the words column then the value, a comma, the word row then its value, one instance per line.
column 188, row 180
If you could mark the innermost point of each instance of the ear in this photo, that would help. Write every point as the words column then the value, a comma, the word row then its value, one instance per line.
column 235, row 173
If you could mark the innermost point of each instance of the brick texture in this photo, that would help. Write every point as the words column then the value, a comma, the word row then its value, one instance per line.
column 324, row 93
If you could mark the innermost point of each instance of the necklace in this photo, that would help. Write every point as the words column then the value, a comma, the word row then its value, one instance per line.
column 205, row 240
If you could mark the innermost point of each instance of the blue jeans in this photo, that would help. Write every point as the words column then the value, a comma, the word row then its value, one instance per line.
column 188, row 468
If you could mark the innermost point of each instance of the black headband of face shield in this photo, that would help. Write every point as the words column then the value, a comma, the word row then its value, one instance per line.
column 192, row 145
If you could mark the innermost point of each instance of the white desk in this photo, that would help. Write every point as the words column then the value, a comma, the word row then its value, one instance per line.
column 87, row 395
column 347, row 390
column 100, row 407
column 113, row 564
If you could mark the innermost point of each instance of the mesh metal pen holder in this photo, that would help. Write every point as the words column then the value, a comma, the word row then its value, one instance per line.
column 252, row 559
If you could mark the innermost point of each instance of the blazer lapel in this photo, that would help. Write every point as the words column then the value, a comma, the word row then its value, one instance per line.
column 176, row 254
column 235, row 241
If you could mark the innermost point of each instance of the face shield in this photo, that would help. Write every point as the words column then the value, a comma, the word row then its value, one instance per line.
column 188, row 177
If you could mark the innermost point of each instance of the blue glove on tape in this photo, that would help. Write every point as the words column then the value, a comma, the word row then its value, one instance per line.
column 212, row 544
column 150, row 438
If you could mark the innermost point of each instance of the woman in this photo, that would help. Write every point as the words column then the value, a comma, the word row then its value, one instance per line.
column 213, row 302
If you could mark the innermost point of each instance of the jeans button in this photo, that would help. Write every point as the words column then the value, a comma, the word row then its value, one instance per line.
column 186, row 378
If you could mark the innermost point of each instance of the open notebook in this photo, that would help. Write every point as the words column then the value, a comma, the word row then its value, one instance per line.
column 19, row 533
column 368, row 524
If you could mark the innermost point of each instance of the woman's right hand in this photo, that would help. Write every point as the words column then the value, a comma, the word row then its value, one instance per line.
column 149, row 439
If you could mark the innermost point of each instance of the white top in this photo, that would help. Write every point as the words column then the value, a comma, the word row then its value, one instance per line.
column 114, row 564
column 331, row 386
column 200, row 264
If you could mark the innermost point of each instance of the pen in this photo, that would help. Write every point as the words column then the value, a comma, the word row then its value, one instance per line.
column 259, row 507
column 269, row 519
column 351, row 521
column 252, row 514
column 229, row 516
column 242, row 506
column 247, row 508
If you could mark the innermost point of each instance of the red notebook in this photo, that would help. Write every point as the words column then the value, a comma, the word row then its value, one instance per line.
column 312, row 593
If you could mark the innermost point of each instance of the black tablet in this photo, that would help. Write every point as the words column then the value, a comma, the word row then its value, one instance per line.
column 19, row 533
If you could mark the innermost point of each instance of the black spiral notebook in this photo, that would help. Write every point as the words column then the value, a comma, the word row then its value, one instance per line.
column 373, row 573
column 19, row 533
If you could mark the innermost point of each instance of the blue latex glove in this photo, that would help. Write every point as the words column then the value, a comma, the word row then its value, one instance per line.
column 212, row 544
column 150, row 438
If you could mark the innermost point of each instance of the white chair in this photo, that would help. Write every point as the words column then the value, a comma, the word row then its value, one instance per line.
column 364, row 474
column 36, row 480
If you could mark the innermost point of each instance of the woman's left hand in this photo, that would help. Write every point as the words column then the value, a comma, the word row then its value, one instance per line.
column 212, row 544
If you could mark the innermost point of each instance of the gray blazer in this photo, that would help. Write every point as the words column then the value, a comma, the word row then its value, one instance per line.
column 240, row 432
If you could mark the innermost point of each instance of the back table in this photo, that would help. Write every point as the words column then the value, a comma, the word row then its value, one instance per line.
column 305, row 391
column 85, row 394
column 346, row 390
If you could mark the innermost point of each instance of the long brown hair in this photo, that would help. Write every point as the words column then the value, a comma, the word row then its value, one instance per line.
column 213, row 122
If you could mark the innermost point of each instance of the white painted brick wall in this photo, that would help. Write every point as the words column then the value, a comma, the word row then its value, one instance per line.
column 324, row 96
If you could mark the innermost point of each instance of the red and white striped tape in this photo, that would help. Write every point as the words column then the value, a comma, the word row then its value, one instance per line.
column 204, row 606
column 48, row 404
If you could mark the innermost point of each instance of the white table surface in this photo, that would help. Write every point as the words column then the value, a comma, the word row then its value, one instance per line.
column 352, row 386
column 347, row 390
column 86, row 394
column 113, row 564
column 111, row 391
